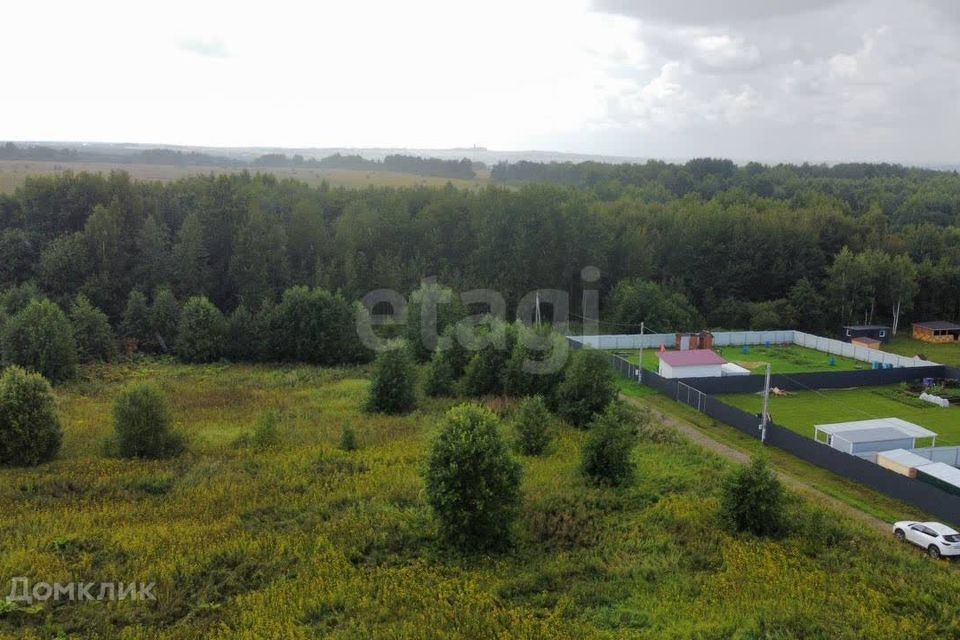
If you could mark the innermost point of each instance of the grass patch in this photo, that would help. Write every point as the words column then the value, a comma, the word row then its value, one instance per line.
column 801, row 410
column 782, row 358
column 903, row 344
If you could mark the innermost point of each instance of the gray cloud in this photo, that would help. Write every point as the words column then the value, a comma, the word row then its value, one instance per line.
column 710, row 11
column 819, row 80
column 209, row 48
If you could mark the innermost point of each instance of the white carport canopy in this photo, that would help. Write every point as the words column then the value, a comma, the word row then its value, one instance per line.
column 907, row 428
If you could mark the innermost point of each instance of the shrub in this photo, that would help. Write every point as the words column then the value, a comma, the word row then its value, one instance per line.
column 142, row 421
column 91, row 330
column 532, row 426
column 164, row 320
column 265, row 434
column 30, row 430
column 348, row 439
column 455, row 352
column 242, row 336
column 606, row 454
column 588, row 387
column 484, row 373
column 392, row 388
column 439, row 378
column 136, row 318
column 315, row 326
column 40, row 338
column 753, row 500
column 202, row 331
column 423, row 333
column 473, row 485
column 536, row 364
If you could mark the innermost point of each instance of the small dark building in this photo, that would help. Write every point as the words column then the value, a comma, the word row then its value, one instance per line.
column 875, row 331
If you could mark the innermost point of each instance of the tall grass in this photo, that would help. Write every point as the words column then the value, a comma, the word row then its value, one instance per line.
column 302, row 539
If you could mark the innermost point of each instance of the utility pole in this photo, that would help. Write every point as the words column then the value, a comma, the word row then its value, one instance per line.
column 766, row 405
column 640, row 362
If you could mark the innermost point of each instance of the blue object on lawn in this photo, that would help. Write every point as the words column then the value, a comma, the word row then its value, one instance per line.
column 832, row 362
column 744, row 349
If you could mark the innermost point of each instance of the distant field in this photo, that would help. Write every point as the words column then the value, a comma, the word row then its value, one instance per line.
column 939, row 353
column 784, row 359
column 14, row 172
column 801, row 410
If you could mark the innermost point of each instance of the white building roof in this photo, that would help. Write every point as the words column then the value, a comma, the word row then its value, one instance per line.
column 876, row 434
column 943, row 471
column 905, row 458
column 907, row 428
column 731, row 369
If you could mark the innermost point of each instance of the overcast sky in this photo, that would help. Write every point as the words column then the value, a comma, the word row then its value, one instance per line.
column 747, row 79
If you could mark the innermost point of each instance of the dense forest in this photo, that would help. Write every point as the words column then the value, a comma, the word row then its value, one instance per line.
column 819, row 247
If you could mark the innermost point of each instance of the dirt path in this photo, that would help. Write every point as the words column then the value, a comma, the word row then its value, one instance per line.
column 695, row 435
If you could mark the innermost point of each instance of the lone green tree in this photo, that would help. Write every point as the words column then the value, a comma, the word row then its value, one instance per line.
column 136, row 318
column 439, row 377
column 30, row 432
column 588, row 387
column 201, row 334
column 606, row 454
column 473, row 484
column 753, row 500
column 431, row 310
column 164, row 320
column 40, row 338
column 532, row 426
column 91, row 330
column 392, row 389
column 143, row 424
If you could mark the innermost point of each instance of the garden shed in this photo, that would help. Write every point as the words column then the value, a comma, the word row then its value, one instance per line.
column 902, row 461
column 695, row 363
column 875, row 331
column 937, row 331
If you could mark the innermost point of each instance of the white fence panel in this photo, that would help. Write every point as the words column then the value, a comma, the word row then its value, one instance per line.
column 948, row 455
column 741, row 338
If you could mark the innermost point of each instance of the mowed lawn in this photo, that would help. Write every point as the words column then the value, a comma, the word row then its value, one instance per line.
column 782, row 358
column 903, row 344
column 304, row 540
column 801, row 410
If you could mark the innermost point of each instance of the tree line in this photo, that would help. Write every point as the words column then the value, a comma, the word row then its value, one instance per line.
column 735, row 260
column 905, row 195
column 416, row 165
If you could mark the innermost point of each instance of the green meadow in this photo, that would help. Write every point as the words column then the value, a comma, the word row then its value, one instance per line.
column 303, row 540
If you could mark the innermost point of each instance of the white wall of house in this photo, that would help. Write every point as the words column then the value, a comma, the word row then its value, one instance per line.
column 691, row 371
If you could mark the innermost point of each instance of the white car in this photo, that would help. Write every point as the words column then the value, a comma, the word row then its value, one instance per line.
column 938, row 539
